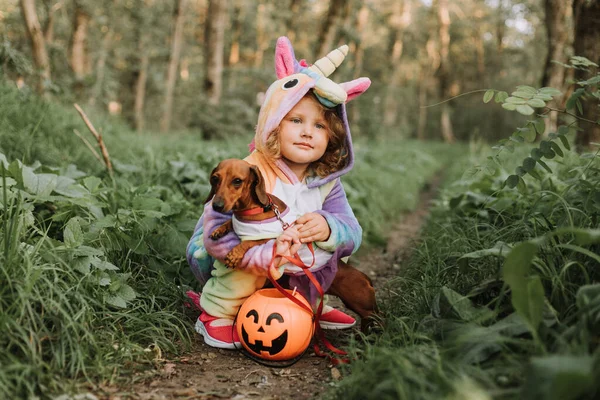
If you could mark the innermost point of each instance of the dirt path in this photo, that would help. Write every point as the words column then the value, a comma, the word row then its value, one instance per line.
column 209, row 373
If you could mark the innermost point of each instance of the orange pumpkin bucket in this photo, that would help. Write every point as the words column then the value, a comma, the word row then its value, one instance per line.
column 273, row 327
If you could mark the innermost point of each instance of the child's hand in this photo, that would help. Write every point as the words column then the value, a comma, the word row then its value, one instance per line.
column 287, row 244
column 313, row 227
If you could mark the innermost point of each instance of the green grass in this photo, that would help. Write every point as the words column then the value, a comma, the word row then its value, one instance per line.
column 455, row 328
column 93, row 267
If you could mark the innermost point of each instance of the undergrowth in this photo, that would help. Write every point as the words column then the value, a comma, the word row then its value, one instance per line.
column 501, row 298
column 93, row 266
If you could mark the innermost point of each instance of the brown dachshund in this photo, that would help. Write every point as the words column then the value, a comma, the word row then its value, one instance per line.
column 239, row 187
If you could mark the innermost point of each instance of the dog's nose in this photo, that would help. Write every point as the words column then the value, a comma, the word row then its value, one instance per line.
column 218, row 204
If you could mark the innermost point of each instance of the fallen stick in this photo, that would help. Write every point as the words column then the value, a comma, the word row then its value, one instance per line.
column 89, row 145
column 98, row 137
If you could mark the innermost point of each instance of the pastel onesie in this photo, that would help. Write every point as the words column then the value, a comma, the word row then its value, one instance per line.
column 224, row 289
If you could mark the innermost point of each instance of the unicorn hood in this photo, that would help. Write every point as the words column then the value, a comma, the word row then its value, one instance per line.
column 295, row 79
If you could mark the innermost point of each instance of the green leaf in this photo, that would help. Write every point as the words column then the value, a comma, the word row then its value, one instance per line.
column 520, row 171
column 536, row 153
column 126, row 292
column 539, row 125
column 528, row 164
column 527, row 292
column 104, row 281
column 574, row 98
column 550, row 91
column 588, row 294
column 87, row 251
column 460, row 306
column 565, row 142
column 543, row 97
column 527, row 89
column 529, row 134
column 581, row 61
column 116, row 301
column 488, row 95
column 560, row 377
column 535, row 174
column 518, row 263
column 104, row 265
column 92, row 183
column 525, row 109
column 522, row 94
column 579, row 106
column 500, row 249
column 39, row 184
column 563, row 130
column 509, row 106
column 536, row 103
column 512, row 181
column 501, row 97
column 544, row 165
column 522, row 186
column 557, row 149
column 515, row 100
column 592, row 81
column 82, row 264
column 72, row 234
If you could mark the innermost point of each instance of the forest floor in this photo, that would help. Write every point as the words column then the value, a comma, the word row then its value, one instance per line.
column 208, row 373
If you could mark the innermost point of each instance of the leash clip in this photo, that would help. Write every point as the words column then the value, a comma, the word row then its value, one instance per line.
column 284, row 224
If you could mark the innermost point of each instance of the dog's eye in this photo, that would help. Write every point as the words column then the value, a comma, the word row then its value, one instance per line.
column 214, row 180
column 236, row 182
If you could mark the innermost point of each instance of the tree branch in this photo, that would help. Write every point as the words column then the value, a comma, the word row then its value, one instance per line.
column 98, row 137
column 573, row 115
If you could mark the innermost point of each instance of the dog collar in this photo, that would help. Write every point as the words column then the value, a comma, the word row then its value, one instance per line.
column 256, row 210
column 253, row 211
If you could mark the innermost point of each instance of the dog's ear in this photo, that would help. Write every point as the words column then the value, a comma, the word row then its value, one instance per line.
column 213, row 188
column 259, row 191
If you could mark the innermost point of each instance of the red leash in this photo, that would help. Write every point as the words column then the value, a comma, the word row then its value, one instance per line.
column 297, row 261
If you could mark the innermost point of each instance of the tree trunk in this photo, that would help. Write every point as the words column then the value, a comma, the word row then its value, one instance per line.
column 361, row 23
column 38, row 43
column 234, row 51
column 261, row 37
column 213, row 49
column 429, row 64
column 329, row 28
column 443, row 70
column 557, row 12
column 176, row 44
column 400, row 20
column 81, row 23
column 140, row 84
column 50, row 20
column 586, row 16
column 480, row 52
column 101, row 66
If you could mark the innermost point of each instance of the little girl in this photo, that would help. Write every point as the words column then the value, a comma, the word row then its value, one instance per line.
column 302, row 146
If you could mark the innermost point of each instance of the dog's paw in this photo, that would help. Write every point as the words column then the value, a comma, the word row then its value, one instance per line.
column 234, row 258
column 218, row 233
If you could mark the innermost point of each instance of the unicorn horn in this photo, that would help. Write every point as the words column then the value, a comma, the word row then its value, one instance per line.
column 326, row 65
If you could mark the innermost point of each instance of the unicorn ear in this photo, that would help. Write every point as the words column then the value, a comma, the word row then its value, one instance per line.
column 285, row 60
column 356, row 87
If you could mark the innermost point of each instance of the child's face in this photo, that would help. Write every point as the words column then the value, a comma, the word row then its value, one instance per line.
column 303, row 135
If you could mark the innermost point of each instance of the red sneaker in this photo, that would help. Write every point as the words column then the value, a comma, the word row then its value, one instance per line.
column 218, row 332
column 332, row 318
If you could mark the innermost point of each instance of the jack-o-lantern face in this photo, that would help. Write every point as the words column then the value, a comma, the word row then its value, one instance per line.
column 272, row 327
column 277, row 344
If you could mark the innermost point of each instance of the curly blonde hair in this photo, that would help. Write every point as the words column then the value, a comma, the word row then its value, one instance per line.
column 335, row 157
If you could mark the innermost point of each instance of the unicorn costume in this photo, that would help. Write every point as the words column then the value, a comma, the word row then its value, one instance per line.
column 224, row 289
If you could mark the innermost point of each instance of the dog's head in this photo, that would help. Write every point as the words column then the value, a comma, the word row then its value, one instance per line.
column 236, row 185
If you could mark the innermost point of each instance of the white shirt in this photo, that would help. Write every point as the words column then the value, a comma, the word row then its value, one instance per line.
column 300, row 200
